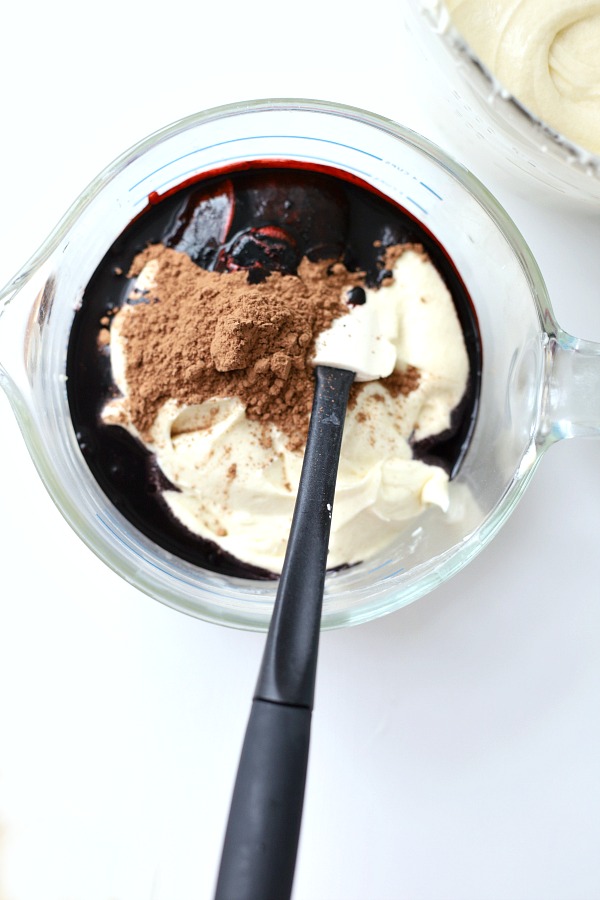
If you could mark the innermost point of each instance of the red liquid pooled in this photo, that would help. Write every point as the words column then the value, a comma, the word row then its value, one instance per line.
column 260, row 217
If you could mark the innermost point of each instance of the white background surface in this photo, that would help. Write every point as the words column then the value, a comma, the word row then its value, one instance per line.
column 456, row 743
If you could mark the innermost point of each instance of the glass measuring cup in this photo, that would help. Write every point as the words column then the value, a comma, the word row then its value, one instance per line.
column 538, row 384
column 486, row 126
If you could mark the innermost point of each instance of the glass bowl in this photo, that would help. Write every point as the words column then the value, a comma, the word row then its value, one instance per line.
column 538, row 384
column 488, row 128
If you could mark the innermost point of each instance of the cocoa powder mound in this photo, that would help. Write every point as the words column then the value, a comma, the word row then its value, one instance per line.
column 196, row 335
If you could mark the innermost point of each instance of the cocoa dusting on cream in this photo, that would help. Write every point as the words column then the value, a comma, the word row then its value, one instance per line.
column 197, row 334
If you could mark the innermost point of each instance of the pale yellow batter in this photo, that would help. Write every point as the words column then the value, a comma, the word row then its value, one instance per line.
column 546, row 53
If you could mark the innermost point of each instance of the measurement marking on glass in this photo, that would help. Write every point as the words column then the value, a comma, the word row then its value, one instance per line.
column 431, row 190
column 418, row 205
column 258, row 137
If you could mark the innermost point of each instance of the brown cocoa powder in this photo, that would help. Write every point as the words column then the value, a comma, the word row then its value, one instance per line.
column 200, row 334
column 196, row 334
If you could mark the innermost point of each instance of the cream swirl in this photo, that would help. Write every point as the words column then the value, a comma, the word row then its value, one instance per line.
column 546, row 53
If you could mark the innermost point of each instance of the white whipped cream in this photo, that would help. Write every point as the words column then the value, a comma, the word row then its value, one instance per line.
column 546, row 53
column 236, row 491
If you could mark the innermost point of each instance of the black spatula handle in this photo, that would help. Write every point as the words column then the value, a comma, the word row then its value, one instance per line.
column 261, row 841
